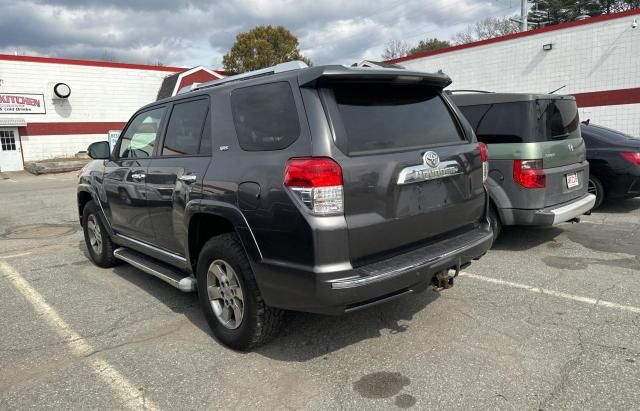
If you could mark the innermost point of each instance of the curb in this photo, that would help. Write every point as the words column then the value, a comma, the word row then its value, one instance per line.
column 38, row 168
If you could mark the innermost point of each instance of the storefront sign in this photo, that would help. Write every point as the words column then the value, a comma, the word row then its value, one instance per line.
column 113, row 137
column 13, row 103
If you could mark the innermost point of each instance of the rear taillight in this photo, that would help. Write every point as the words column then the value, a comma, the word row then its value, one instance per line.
column 632, row 157
column 317, row 182
column 529, row 173
column 484, row 156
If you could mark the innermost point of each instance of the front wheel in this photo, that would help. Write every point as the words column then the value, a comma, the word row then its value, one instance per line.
column 97, row 239
column 596, row 188
column 230, row 297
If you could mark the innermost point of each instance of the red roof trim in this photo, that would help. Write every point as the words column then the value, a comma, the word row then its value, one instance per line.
column 68, row 128
column 608, row 97
column 51, row 60
column 560, row 26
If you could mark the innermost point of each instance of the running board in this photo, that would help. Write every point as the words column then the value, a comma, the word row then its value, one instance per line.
column 166, row 273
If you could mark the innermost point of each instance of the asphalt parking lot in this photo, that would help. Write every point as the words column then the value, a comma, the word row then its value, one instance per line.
column 549, row 319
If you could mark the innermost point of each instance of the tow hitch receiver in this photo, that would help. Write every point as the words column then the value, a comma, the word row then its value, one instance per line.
column 442, row 280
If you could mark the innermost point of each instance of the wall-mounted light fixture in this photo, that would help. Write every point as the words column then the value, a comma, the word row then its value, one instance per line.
column 61, row 90
column 634, row 24
column 547, row 47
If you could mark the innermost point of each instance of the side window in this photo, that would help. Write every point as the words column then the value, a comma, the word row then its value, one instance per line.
column 140, row 137
column 265, row 116
column 185, row 128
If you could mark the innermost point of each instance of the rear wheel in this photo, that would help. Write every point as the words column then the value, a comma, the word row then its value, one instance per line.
column 230, row 297
column 494, row 219
column 98, row 242
column 596, row 188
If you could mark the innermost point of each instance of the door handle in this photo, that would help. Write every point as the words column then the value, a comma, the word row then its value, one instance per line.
column 138, row 176
column 188, row 178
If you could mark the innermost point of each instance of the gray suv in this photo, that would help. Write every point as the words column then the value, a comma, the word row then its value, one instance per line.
column 325, row 189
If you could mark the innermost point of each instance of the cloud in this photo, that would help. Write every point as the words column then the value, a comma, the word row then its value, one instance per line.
column 194, row 32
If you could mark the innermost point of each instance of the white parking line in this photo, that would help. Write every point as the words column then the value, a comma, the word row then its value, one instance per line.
column 128, row 393
column 559, row 294
column 15, row 255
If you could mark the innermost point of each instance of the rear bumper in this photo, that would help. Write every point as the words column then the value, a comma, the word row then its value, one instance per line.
column 551, row 215
column 342, row 288
column 623, row 186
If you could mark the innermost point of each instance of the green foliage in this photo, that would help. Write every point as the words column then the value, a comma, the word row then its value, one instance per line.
column 260, row 47
column 548, row 12
column 429, row 45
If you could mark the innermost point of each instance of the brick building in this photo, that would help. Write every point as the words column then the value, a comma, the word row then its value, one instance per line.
column 53, row 107
column 597, row 60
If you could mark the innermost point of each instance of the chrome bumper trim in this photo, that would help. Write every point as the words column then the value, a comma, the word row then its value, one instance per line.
column 573, row 210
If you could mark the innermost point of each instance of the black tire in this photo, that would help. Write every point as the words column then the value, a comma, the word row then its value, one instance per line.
column 102, row 256
column 494, row 220
column 596, row 187
column 259, row 323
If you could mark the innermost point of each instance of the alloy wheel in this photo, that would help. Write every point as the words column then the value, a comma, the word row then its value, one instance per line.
column 225, row 294
column 95, row 237
column 592, row 188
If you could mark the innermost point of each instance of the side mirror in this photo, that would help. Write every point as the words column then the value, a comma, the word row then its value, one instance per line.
column 99, row 150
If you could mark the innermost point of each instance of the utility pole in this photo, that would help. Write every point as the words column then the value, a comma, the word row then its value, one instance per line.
column 523, row 15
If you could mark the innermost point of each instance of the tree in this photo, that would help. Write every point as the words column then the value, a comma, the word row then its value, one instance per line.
column 260, row 47
column 429, row 45
column 486, row 29
column 395, row 49
column 548, row 12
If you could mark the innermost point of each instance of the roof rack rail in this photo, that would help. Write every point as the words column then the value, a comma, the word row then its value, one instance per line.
column 469, row 91
column 278, row 68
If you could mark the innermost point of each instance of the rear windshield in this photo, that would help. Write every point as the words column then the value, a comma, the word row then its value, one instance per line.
column 558, row 120
column 376, row 118
column 524, row 121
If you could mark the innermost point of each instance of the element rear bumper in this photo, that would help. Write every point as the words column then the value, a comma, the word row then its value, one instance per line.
column 552, row 215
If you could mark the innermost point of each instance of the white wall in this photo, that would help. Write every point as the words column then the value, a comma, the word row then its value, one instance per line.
column 98, row 94
column 36, row 148
column 591, row 57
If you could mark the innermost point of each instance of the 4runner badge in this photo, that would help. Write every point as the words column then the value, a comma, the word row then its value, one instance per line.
column 430, row 169
column 570, row 147
column 431, row 159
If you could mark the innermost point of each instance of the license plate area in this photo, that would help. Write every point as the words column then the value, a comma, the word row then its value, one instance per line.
column 572, row 180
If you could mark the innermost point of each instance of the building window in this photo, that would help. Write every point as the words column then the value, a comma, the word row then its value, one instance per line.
column 7, row 140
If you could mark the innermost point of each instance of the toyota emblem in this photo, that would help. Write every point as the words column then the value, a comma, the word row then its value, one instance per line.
column 431, row 159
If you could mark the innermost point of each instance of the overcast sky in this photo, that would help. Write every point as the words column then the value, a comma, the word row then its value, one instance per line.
column 200, row 32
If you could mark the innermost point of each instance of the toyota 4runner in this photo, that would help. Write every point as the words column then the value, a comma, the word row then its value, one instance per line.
column 324, row 189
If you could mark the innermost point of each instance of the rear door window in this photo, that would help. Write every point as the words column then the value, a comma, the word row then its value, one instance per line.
column 378, row 118
column 265, row 116
column 184, row 130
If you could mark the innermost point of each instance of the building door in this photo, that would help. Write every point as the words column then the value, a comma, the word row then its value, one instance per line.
column 10, row 155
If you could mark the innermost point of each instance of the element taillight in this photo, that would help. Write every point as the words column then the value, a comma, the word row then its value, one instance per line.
column 317, row 182
column 529, row 173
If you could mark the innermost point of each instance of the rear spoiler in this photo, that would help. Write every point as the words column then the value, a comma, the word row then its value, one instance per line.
column 310, row 77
